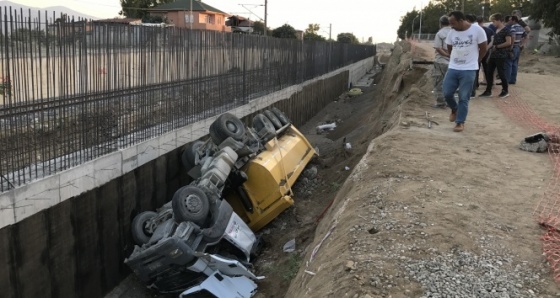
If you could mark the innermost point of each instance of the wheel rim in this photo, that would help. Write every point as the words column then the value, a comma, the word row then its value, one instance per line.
column 148, row 230
column 231, row 126
column 193, row 204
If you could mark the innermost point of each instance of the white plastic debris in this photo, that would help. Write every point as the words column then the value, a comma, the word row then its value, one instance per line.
column 348, row 146
column 290, row 246
column 347, row 168
column 329, row 126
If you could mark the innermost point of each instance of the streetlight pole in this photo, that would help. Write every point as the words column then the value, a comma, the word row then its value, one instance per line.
column 191, row 16
column 420, row 30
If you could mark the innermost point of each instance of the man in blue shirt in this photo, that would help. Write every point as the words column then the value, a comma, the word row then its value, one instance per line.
column 519, row 34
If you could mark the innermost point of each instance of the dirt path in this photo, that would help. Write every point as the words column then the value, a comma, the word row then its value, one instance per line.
column 432, row 213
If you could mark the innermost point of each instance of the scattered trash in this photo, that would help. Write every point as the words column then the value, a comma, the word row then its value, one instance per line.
column 355, row 92
column 330, row 126
column 430, row 121
column 290, row 246
column 310, row 273
column 350, row 265
column 310, row 173
column 317, row 150
column 348, row 146
column 347, row 168
column 540, row 142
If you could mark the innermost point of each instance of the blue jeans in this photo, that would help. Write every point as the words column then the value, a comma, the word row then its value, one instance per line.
column 463, row 80
column 514, row 61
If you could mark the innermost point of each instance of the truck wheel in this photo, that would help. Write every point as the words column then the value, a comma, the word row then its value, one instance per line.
column 189, row 154
column 190, row 204
column 141, row 233
column 281, row 116
column 272, row 117
column 225, row 126
column 260, row 123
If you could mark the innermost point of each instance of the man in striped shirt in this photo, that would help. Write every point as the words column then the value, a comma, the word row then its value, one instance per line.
column 512, row 62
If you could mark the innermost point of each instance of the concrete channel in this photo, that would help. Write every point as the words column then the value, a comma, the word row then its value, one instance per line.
column 67, row 235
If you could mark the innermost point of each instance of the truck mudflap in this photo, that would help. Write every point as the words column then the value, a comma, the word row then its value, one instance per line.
column 223, row 286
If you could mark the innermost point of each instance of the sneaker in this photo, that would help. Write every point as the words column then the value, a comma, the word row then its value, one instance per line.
column 485, row 94
column 453, row 116
column 459, row 127
column 504, row 94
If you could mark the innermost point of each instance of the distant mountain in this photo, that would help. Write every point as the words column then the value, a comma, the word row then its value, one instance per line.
column 57, row 10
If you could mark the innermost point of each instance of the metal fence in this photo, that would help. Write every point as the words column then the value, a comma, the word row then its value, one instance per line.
column 73, row 90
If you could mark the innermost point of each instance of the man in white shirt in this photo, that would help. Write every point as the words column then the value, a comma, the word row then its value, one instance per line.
column 441, row 61
column 466, row 45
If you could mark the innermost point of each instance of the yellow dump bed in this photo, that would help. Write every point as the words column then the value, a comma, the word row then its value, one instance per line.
column 271, row 174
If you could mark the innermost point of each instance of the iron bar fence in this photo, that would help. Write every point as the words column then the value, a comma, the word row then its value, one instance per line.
column 73, row 90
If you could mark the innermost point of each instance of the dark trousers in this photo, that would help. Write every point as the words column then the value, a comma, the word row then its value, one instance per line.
column 499, row 64
column 484, row 67
column 485, row 64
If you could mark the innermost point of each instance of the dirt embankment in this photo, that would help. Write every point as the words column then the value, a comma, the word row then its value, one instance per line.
column 427, row 212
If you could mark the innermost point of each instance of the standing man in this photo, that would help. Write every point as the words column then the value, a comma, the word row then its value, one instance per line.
column 513, row 60
column 441, row 61
column 524, row 25
column 467, row 45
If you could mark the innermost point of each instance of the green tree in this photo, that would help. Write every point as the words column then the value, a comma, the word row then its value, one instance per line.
column 27, row 35
column 285, row 31
column 549, row 12
column 138, row 8
column 430, row 17
column 312, row 29
column 313, row 36
column 407, row 22
column 431, row 13
column 311, row 33
column 258, row 28
column 347, row 38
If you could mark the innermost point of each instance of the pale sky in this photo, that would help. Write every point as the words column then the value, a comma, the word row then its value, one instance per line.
column 364, row 18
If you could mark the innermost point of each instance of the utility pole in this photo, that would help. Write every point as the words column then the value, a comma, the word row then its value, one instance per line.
column 191, row 16
column 265, row 16
column 330, row 31
column 420, row 30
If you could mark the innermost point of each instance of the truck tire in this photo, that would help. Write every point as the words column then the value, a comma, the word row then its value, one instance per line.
column 281, row 116
column 190, row 203
column 263, row 126
column 272, row 117
column 189, row 154
column 140, row 234
column 225, row 126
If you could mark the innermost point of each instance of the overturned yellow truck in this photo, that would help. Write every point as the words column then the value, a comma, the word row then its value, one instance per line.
column 203, row 240
column 272, row 155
